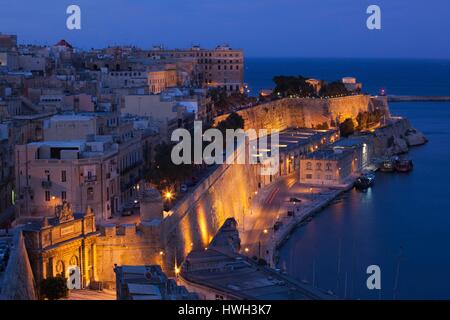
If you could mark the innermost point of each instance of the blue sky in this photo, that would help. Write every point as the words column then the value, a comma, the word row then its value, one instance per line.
column 294, row 28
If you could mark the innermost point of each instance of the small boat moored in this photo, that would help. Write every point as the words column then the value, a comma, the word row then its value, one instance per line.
column 365, row 181
column 387, row 166
column 404, row 165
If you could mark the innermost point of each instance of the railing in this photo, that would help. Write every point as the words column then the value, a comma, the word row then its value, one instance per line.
column 90, row 178
column 46, row 184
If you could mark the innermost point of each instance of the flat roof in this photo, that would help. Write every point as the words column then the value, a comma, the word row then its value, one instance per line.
column 241, row 277
column 59, row 144
column 72, row 117
column 328, row 154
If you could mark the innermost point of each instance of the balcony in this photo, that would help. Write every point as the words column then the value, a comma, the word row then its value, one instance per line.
column 90, row 179
column 46, row 184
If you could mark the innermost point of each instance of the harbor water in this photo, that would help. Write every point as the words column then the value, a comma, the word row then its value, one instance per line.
column 401, row 224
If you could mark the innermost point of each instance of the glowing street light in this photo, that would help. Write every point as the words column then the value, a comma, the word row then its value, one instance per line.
column 266, row 231
column 168, row 195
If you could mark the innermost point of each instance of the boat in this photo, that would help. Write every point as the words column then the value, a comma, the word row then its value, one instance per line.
column 387, row 166
column 365, row 181
column 404, row 165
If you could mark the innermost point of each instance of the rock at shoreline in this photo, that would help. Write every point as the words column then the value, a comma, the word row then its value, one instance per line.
column 396, row 138
column 397, row 146
column 415, row 138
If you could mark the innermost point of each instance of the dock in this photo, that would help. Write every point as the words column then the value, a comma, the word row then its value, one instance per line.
column 394, row 98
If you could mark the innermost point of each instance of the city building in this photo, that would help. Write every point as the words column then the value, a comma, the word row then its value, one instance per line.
column 222, row 67
column 294, row 143
column 351, row 84
column 162, row 79
column 330, row 167
column 82, row 172
column 63, row 244
column 148, row 283
column 7, row 195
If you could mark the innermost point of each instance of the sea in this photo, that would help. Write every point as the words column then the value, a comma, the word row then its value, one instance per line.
column 401, row 224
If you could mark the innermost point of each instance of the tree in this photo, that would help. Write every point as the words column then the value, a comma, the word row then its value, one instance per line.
column 347, row 127
column 54, row 288
column 333, row 89
column 233, row 121
column 291, row 85
column 164, row 167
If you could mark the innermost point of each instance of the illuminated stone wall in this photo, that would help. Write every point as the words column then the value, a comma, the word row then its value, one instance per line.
column 124, row 245
column 225, row 193
column 306, row 113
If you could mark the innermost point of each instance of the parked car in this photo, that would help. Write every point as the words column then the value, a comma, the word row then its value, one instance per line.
column 277, row 225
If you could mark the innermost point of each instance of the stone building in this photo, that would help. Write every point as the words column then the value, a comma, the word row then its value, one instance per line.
column 160, row 80
column 64, row 244
column 82, row 172
column 148, row 283
column 221, row 67
column 330, row 167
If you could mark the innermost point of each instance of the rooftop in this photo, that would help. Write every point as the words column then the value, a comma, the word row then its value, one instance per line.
column 243, row 278
column 329, row 154
column 223, row 269
column 148, row 283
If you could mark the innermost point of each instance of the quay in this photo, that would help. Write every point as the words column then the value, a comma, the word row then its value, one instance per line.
column 418, row 98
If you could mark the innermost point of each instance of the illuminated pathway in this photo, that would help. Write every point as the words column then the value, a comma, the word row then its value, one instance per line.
column 272, row 204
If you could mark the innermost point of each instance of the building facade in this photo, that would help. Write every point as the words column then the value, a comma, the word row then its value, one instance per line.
column 84, row 173
column 222, row 67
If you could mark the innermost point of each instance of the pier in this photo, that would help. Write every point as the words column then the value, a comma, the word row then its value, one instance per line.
column 418, row 98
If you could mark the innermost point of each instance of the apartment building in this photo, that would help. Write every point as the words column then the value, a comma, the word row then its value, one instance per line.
column 6, row 169
column 330, row 167
column 221, row 67
column 83, row 173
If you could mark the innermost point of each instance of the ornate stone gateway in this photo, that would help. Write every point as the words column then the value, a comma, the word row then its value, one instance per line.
column 64, row 245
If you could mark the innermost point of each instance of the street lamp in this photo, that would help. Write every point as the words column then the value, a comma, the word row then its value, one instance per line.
column 168, row 195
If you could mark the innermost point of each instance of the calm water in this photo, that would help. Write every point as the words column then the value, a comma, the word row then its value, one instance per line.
column 403, row 222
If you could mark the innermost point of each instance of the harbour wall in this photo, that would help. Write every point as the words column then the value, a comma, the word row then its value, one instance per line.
column 306, row 112
column 226, row 193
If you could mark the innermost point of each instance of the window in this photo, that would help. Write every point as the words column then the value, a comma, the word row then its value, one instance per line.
column 308, row 166
column 328, row 177
column 90, row 193
column 47, row 195
column 328, row 166
column 63, row 195
column 319, row 166
column 309, row 176
column 63, row 176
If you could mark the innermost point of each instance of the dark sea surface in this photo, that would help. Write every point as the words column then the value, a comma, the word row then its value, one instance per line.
column 402, row 224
